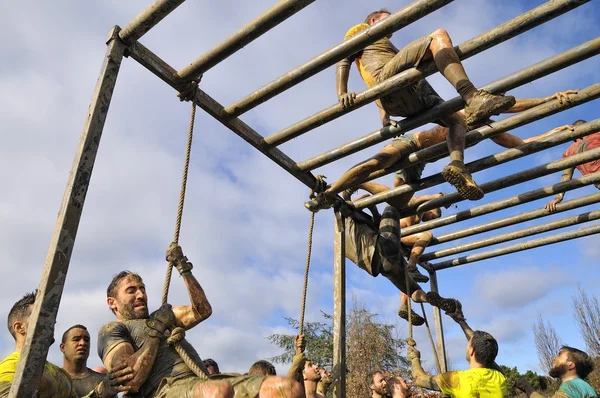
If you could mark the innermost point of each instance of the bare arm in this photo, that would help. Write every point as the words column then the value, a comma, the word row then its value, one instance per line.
column 141, row 361
column 188, row 316
column 567, row 174
column 523, row 104
column 342, row 73
column 299, row 358
column 546, row 134
column 422, row 378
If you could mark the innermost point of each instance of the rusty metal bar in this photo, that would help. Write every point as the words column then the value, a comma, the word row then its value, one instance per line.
column 487, row 208
column 243, row 36
column 516, row 79
column 435, row 151
column 517, row 219
column 339, row 306
column 494, row 240
column 412, row 12
column 513, row 179
column 484, row 41
column 439, row 328
column 578, row 233
column 40, row 331
column 147, row 19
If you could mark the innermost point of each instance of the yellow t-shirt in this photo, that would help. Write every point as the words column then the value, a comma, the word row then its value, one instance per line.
column 55, row 383
column 474, row 383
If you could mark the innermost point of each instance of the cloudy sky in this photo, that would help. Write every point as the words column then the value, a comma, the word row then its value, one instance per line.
column 244, row 226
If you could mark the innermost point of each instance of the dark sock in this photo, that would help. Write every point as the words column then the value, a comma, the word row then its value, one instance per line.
column 465, row 89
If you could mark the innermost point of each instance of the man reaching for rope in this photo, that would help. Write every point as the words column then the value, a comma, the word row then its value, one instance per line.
column 483, row 379
column 140, row 340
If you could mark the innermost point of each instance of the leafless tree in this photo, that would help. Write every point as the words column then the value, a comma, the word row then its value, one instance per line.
column 587, row 316
column 547, row 342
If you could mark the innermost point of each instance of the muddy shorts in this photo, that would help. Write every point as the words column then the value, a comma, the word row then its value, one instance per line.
column 408, row 144
column 244, row 386
column 412, row 99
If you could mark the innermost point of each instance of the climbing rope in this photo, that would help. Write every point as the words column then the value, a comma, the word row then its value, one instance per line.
column 435, row 353
column 319, row 187
column 178, row 334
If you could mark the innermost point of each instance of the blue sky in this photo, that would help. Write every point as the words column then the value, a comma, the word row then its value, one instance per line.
column 244, row 225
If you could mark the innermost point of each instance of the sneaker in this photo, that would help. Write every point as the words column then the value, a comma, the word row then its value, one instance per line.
column 320, row 202
column 447, row 305
column 417, row 276
column 457, row 174
column 417, row 320
column 483, row 105
column 457, row 315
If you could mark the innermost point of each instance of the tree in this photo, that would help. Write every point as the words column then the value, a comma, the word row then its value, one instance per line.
column 547, row 343
column 587, row 316
column 370, row 345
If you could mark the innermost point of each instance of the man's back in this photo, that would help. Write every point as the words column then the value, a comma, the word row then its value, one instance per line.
column 55, row 382
column 474, row 382
column 587, row 143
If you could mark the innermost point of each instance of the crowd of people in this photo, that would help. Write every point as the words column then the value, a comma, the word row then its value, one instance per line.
column 138, row 350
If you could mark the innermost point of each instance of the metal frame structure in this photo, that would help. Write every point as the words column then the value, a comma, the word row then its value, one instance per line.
column 125, row 43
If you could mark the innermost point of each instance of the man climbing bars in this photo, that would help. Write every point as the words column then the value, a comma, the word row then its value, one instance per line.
column 145, row 341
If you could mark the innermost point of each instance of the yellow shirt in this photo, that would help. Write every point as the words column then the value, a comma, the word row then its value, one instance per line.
column 474, row 383
column 55, row 383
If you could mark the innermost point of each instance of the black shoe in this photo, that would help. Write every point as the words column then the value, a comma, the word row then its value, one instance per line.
column 445, row 304
column 417, row 320
column 417, row 276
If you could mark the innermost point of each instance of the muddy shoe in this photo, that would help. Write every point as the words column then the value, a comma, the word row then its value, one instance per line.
column 457, row 315
column 347, row 194
column 447, row 305
column 457, row 174
column 320, row 202
column 483, row 105
column 417, row 320
column 417, row 276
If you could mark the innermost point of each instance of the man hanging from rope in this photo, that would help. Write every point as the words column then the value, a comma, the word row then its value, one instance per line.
column 140, row 340
column 580, row 145
column 381, row 60
column 55, row 381
column 483, row 379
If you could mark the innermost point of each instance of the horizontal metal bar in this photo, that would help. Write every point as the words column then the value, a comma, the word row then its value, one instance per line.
column 517, row 219
column 516, row 79
column 412, row 12
column 243, row 36
column 147, row 19
column 522, row 233
column 156, row 65
column 510, row 180
column 488, row 208
column 499, row 158
column 484, row 41
column 562, row 237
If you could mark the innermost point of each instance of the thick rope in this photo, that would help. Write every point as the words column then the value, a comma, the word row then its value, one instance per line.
column 177, row 335
column 319, row 187
column 186, row 166
column 435, row 353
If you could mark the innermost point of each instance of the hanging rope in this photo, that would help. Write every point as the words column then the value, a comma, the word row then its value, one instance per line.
column 319, row 187
column 435, row 353
column 186, row 166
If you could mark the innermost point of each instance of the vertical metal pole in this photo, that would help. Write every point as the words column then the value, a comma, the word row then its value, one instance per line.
column 439, row 329
column 339, row 306
column 40, row 332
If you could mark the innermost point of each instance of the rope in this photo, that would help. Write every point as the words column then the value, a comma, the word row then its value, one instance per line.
column 186, row 166
column 177, row 335
column 435, row 353
column 319, row 187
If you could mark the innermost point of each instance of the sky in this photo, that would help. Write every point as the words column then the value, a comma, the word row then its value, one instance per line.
column 244, row 225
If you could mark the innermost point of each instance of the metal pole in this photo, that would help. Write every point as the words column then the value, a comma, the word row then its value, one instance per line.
column 525, row 197
column 484, row 41
column 535, row 146
column 339, row 306
column 509, row 82
column 40, row 331
column 494, row 240
column 510, row 180
column 147, row 19
column 517, row 219
column 578, row 233
column 412, row 12
column 243, row 36
column 439, row 328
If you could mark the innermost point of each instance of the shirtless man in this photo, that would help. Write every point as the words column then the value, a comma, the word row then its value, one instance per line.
column 75, row 347
column 396, row 387
column 140, row 340
column 580, row 145
column 401, row 147
column 55, row 381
